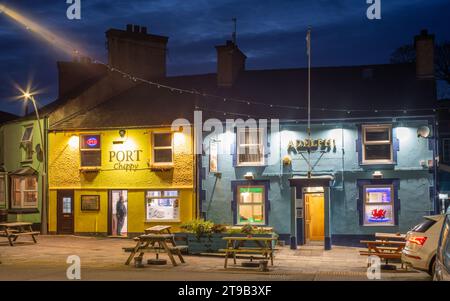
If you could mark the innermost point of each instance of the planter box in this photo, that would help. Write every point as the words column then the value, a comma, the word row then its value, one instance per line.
column 213, row 242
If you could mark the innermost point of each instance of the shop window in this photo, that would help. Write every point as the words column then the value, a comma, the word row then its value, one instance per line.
column 162, row 206
column 446, row 150
column 27, row 143
column 2, row 191
column 162, row 149
column 251, row 203
column 250, row 147
column 377, row 146
column 90, row 151
column 24, row 192
column 378, row 205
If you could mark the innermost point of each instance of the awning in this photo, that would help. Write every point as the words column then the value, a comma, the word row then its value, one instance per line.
column 26, row 171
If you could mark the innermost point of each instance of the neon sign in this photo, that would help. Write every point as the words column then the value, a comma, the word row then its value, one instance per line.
column 92, row 141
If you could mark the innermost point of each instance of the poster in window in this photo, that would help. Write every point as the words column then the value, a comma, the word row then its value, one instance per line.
column 90, row 202
column 213, row 157
column 162, row 208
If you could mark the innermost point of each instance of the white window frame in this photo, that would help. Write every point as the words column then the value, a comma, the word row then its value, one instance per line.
column 242, row 131
column 366, row 203
column 156, row 148
column 388, row 127
column 22, row 191
column 148, row 199
column 263, row 203
column 27, row 144
column 446, row 152
column 82, row 150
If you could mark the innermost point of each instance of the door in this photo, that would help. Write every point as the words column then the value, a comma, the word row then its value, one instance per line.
column 314, row 216
column 118, row 212
column 65, row 210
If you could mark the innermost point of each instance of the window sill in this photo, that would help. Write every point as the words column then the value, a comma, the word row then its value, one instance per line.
column 23, row 211
column 90, row 169
column 26, row 162
column 161, row 167
column 163, row 221
column 250, row 164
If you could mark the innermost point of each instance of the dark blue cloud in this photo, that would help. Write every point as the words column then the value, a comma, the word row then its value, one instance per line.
column 271, row 33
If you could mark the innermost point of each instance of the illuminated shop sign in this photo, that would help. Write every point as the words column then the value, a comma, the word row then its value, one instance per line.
column 91, row 142
column 300, row 145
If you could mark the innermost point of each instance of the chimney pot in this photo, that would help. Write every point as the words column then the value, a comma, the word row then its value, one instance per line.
column 424, row 45
column 230, row 63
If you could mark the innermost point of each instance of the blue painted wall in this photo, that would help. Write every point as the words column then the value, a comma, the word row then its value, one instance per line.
column 342, row 162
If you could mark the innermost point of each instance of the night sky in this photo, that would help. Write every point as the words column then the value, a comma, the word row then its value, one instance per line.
column 270, row 32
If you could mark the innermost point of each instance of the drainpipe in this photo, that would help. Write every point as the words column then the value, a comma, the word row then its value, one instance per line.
column 435, row 167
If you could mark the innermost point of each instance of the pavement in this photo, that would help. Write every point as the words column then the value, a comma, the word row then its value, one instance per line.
column 103, row 259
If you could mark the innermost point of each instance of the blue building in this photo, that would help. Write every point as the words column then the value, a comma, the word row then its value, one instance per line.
column 371, row 171
column 444, row 152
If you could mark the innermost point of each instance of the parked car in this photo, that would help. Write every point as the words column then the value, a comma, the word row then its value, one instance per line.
column 421, row 244
column 442, row 270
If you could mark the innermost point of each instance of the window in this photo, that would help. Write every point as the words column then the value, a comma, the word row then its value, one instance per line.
column 24, row 193
column 2, row 191
column 378, row 205
column 446, row 150
column 250, row 207
column 377, row 144
column 162, row 149
column 250, row 149
column 162, row 206
column 27, row 143
column 90, row 151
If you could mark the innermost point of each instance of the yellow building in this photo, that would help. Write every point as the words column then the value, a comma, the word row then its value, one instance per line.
column 150, row 169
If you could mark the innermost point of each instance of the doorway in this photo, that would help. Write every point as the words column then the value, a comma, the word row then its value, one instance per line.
column 314, row 216
column 118, row 213
column 65, row 209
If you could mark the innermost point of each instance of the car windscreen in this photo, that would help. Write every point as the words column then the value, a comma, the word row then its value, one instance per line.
column 423, row 226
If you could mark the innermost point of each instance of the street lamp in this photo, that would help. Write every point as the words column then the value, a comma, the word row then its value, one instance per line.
column 27, row 95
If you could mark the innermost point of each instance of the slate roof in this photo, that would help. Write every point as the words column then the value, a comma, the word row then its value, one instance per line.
column 5, row 117
column 364, row 91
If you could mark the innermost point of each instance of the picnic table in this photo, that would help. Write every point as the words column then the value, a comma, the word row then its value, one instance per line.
column 157, row 243
column 236, row 245
column 385, row 249
column 390, row 236
column 158, row 230
column 14, row 230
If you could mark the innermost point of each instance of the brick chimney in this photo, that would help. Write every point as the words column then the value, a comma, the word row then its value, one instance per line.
column 424, row 45
column 137, row 52
column 230, row 62
column 72, row 75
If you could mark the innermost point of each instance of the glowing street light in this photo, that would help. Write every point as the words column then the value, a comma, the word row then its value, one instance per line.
column 26, row 96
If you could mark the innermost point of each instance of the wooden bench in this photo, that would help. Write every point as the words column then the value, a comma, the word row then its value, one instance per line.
column 14, row 230
column 384, row 249
column 235, row 245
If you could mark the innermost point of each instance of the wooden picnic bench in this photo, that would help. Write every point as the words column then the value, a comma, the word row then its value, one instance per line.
column 14, row 230
column 155, row 243
column 235, row 245
column 385, row 249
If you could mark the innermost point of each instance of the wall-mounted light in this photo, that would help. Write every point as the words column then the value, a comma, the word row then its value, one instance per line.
column 122, row 133
column 74, row 141
column 249, row 176
column 377, row 174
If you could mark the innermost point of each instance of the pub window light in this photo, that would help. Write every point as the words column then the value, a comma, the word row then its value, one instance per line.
column 74, row 141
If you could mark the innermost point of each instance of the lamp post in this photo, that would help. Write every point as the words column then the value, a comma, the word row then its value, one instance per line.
column 29, row 96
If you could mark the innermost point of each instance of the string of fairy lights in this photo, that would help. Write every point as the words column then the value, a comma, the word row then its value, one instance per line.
column 67, row 46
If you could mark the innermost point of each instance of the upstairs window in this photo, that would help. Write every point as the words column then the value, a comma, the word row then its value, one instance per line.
column 377, row 144
column 250, row 147
column 27, row 143
column 90, row 151
column 162, row 148
column 446, row 150
column 24, row 192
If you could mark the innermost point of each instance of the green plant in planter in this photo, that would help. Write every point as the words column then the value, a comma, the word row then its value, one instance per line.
column 247, row 229
column 199, row 227
column 218, row 228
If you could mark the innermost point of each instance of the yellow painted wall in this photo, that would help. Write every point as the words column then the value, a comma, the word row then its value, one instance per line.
column 64, row 173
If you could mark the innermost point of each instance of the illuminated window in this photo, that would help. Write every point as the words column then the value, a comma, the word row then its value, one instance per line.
column 162, row 205
column 378, row 205
column 377, row 144
column 250, row 146
column 162, row 148
column 90, row 151
column 24, row 192
column 251, row 203
column 446, row 150
column 2, row 191
column 27, row 143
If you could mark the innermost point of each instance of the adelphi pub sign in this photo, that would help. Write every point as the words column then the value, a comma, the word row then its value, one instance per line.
column 301, row 145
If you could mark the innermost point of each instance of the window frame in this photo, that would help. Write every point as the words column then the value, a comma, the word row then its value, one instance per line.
column 263, row 203
column 391, row 204
column 156, row 148
column 446, row 154
column 27, row 152
column 148, row 199
column 366, row 127
column 3, row 178
column 83, row 150
column 242, row 130
column 22, row 192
